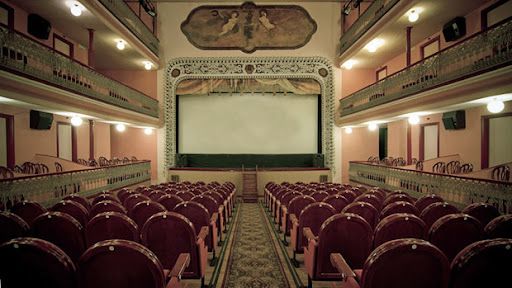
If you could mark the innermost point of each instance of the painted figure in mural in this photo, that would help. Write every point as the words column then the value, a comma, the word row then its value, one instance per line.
column 265, row 21
column 232, row 22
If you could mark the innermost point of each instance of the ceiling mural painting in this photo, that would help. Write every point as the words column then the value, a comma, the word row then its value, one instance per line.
column 249, row 27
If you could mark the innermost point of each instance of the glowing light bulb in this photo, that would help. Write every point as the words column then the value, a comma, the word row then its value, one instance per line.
column 374, row 45
column 120, row 127
column 76, row 10
column 349, row 64
column 121, row 45
column 148, row 65
column 495, row 106
column 76, row 121
column 348, row 130
column 148, row 131
column 414, row 119
column 373, row 126
column 413, row 16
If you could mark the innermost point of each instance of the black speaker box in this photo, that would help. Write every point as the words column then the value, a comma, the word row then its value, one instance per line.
column 38, row 27
column 454, row 120
column 40, row 120
column 455, row 29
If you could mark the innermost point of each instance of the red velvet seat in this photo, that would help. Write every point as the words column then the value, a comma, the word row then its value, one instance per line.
column 145, row 209
column 168, row 234
column 435, row 211
column 73, row 209
column 125, row 193
column 499, row 227
column 122, row 264
column 399, row 207
column 111, row 225
column 349, row 194
column 319, row 196
column 311, row 217
column 283, row 209
column 397, row 197
column 79, row 199
column 28, row 210
column 379, row 192
column 107, row 206
column 170, row 201
column 185, row 195
column 11, row 226
column 348, row 234
column 426, row 200
column 401, row 263
column 62, row 230
column 365, row 210
column 295, row 208
column 32, row 262
column 155, row 195
column 133, row 200
column 398, row 226
column 484, row 263
column 337, row 201
column 482, row 211
column 214, row 209
column 103, row 197
column 275, row 202
column 453, row 232
column 222, row 202
column 372, row 199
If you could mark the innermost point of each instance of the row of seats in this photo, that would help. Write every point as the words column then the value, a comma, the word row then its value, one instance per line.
column 354, row 221
column 167, row 225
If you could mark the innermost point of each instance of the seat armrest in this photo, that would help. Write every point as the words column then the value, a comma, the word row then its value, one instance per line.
column 309, row 234
column 180, row 265
column 293, row 219
column 214, row 217
column 284, row 209
column 202, row 234
column 341, row 265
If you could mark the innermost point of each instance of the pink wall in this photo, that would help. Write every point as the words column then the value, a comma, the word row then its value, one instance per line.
column 102, row 140
column 358, row 146
column 397, row 139
column 356, row 79
column 82, row 135
column 133, row 142
column 144, row 81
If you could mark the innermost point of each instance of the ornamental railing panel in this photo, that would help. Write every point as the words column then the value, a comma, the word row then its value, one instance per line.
column 48, row 189
column 458, row 190
column 28, row 58
column 130, row 20
column 375, row 11
column 481, row 53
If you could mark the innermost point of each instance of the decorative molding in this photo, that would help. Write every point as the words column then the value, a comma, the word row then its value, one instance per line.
column 317, row 68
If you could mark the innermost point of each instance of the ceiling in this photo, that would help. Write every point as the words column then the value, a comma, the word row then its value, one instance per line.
column 434, row 15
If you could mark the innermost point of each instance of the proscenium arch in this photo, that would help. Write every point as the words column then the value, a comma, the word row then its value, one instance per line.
column 317, row 68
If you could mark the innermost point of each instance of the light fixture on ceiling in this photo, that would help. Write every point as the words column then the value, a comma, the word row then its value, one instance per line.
column 348, row 130
column 148, row 65
column 148, row 131
column 76, row 9
column 76, row 121
column 120, row 127
column 413, row 15
column 374, row 45
column 120, row 44
column 373, row 126
column 414, row 119
column 495, row 106
column 349, row 64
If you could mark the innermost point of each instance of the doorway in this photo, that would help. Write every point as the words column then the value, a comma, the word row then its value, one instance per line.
column 429, row 141
column 383, row 142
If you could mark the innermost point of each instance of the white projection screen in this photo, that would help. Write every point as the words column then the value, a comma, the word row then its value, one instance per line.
column 252, row 123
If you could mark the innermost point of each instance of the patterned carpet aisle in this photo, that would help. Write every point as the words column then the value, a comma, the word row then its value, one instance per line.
column 253, row 262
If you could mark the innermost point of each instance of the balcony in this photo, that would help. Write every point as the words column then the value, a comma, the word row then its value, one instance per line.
column 49, row 189
column 130, row 20
column 458, row 190
column 25, row 57
column 481, row 53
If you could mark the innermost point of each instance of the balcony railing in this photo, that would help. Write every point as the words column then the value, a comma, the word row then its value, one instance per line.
column 483, row 52
column 48, row 189
column 458, row 190
column 24, row 56
column 369, row 17
column 129, row 19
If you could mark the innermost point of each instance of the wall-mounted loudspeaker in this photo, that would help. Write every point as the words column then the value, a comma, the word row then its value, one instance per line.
column 454, row 120
column 40, row 120
column 38, row 27
column 455, row 29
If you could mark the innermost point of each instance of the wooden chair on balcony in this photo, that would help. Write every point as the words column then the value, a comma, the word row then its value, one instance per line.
column 6, row 173
column 93, row 163
column 501, row 173
column 419, row 165
column 82, row 162
column 134, row 159
column 439, row 167
column 466, row 168
column 103, row 161
column 453, row 167
column 58, row 167
column 414, row 161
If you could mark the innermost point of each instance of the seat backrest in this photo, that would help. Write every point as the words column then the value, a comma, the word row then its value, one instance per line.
column 397, row 197
column 313, row 216
column 170, row 201
column 365, row 210
column 453, row 232
column 28, row 210
column 155, row 195
column 398, row 226
column 372, row 199
column 482, row 211
column 62, row 230
column 439, row 167
column 32, row 262
column 208, row 202
column 485, row 263
column 143, row 210
column 426, row 200
column 185, row 195
column 453, row 167
column 406, row 263
column 168, row 234
column 349, row 194
column 74, row 209
column 288, row 197
column 11, row 226
column 111, row 225
column 380, row 193
column 298, row 203
column 399, row 207
column 133, row 200
column 218, row 197
column 134, row 266
column 103, row 197
column 319, row 195
column 501, row 173
column 106, row 206
column 196, row 213
column 79, row 199
column 466, row 168
column 499, row 227
column 124, row 193
column 345, row 233
column 435, row 211
column 337, row 201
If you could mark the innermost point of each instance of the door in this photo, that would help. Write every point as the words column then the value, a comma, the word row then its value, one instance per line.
column 430, row 141
column 3, row 141
column 64, row 141
column 500, row 140
column 383, row 142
